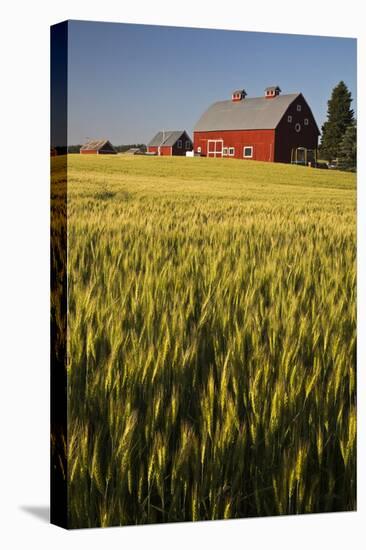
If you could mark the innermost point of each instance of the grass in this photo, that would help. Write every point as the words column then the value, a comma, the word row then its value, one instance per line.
column 212, row 338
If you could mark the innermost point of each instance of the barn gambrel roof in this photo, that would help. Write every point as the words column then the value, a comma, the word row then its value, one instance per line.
column 96, row 144
column 256, row 113
column 168, row 138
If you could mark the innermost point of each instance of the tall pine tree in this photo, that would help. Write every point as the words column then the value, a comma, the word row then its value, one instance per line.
column 348, row 149
column 340, row 117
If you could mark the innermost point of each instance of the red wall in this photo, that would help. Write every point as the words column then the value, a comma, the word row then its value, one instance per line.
column 262, row 141
column 165, row 150
column 88, row 152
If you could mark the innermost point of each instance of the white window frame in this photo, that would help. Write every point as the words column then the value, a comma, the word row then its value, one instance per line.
column 298, row 107
column 306, row 122
column 231, row 151
column 188, row 144
column 179, row 144
column 224, row 151
column 289, row 118
column 298, row 127
column 251, row 152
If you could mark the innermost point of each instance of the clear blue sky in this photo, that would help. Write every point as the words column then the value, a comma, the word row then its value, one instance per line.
column 126, row 82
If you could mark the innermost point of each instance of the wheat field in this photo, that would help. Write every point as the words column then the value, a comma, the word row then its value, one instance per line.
column 211, row 340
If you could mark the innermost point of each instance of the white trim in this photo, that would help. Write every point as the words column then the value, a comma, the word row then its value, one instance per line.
column 187, row 145
column 224, row 151
column 298, row 107
column 180, row 144
column 251, row 154
column 289, row 118
column 306, row 122
column 229, row 153
column 298, row 127
column 215, row 153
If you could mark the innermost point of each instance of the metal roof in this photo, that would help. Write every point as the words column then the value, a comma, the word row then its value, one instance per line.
column 95, row 144
column 253, row 113
column 166, row 138
column 272, row 88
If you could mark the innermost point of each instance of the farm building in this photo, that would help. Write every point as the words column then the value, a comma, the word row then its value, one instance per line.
column 170, row 143
column 134, row 151
column 274, row 128
column 98, row 147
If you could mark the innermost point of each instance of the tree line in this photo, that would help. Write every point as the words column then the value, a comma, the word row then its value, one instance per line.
column 119, row 148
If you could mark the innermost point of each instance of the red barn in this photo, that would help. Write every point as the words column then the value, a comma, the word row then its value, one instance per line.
column 98, row 147
column 274, row 128
column 175, row 142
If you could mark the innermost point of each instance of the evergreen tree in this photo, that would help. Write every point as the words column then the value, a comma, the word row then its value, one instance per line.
column 340, row 117
column 348, row 149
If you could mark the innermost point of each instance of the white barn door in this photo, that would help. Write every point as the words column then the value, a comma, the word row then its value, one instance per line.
column 215, row 147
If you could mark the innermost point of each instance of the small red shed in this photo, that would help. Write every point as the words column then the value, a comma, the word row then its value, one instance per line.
column 271, row 128
column 174, row 142
column 98, row 147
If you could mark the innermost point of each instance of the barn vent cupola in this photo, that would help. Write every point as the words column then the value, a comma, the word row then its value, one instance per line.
column 272, row 91
column 238, row 95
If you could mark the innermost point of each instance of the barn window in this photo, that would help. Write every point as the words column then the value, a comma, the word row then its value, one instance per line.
column 179, row 144
column 306, row 122
column 188, row 144
column 231, row 151
column 297, row 127
column 248, row 152
column 224, row 151
column 289, row 118
column 298, row 107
